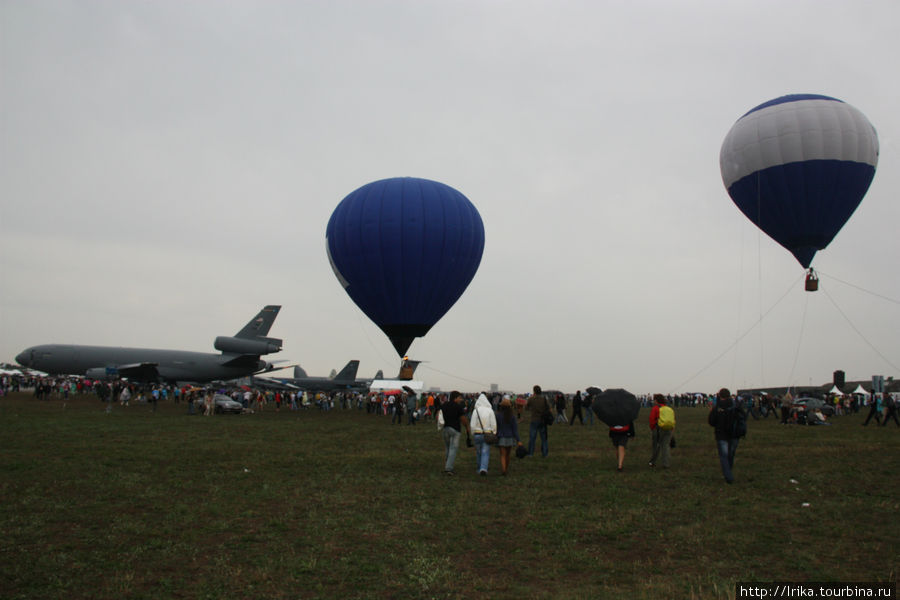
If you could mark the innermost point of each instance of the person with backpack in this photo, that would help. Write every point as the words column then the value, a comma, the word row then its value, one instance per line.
column 730, row 422
column 662, row 427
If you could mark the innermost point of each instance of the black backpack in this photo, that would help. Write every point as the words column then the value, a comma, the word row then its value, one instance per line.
column 738, row 421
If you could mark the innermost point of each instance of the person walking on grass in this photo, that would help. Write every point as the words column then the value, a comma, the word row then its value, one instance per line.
column 561, row 409
column 787, row 402
column 586, row 402
column 208, row 403
column 576, row 409
column 541, row 415
column 874, row 409
column 507, row 432
column 891, row 404
column 411, row 405
column 125, row 396
column 729, row 422
column 661, row 429
column 619, row 435
column 482, row 422
column 452, row 414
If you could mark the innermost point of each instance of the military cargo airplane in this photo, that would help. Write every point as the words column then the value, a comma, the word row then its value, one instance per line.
column 345, row 380
column 240, row 356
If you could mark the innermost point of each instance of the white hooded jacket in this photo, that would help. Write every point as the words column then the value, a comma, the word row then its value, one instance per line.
column 483, row 419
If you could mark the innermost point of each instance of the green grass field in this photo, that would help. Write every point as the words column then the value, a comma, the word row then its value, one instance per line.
column 136, row 504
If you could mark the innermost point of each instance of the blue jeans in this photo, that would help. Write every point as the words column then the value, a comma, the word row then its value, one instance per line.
column 451, row 443
column 532, row 436
column 590, row 414
column 727, row 448
column 482, row 452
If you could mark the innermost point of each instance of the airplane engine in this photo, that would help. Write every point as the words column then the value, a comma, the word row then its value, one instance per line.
column 247, row 346
column 102, row 373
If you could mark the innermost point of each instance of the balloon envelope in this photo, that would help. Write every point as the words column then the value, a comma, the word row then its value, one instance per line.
column 798, row 166
column 405, row 249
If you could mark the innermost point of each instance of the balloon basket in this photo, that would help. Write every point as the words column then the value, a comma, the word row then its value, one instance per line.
column 812, row 281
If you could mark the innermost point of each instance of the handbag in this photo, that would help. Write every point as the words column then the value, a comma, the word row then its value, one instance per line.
column 489, row 438
column 548, row 416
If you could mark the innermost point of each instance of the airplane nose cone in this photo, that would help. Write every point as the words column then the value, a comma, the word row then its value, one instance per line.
column 24, row 358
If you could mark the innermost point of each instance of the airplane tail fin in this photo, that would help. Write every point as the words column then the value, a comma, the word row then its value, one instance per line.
column 379, row 374
column 299, row 373
column 348, row 373
column 260, row 324
column 251, row 340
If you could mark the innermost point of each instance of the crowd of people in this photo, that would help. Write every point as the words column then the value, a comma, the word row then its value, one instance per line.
column 484, row 425
column 483, row 420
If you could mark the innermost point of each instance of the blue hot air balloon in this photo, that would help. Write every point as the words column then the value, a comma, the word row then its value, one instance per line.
column 405, row 249
column 798, row 166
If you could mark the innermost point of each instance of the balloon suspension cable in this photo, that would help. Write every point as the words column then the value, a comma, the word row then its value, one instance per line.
column 862, row 289
column 799, row 341
column 735, row 343
column 484, row 386
column 859, row 333
column 362, row 326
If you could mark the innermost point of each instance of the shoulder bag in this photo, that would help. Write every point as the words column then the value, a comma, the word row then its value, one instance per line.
column 489, row 438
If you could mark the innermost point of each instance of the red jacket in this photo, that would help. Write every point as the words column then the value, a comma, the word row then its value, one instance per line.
column 654, row 416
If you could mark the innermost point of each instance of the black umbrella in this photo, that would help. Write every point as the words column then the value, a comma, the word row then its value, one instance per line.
column 616, row 407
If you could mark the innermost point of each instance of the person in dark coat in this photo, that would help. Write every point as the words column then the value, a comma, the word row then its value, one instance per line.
column 874, row 410
column 723, row 415
column 541, row 413
column 891, row 413
column 576, row 409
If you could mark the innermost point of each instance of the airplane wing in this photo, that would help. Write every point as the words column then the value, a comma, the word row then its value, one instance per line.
column 146, row 371
column 274, row 384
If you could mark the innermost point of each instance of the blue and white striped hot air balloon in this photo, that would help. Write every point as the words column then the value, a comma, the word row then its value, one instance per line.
column 798, row 166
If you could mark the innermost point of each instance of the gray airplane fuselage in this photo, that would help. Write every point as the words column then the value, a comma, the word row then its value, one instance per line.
column 171, row 365
column 239, row 357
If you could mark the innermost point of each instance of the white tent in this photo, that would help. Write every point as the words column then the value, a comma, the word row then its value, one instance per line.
column 860, row 390
column 834, row 390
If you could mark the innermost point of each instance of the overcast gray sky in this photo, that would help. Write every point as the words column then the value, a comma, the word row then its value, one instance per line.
column 169, row 167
